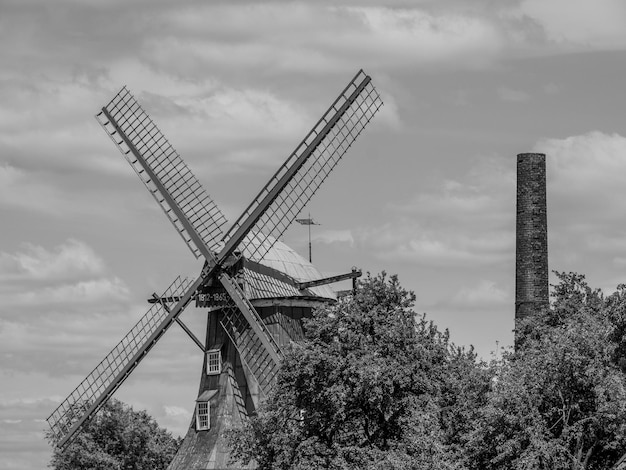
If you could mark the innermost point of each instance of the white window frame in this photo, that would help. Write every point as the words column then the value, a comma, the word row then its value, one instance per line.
column 203, row 416
column 213, row 362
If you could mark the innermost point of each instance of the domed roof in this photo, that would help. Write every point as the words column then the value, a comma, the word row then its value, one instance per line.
column 276, row 275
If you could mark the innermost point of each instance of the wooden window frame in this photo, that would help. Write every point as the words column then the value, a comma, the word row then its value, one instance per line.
column 203, row 416
column 213, row 367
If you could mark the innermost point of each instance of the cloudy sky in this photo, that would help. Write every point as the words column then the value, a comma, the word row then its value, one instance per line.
column 428, row 191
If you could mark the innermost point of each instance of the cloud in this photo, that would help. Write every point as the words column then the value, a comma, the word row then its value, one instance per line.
column 83, row 292
column 465, row 222
column 578, row 166
column 551, row 89
column 25, row 403
column 20, row 190
column 38, row 282
column 175, row 418
column 69, row 261
column 22, row 442
column 59, row 343
column 515, row 96
column 408, row 241
column 389, row 114
column 394, row 34
column 200, row 41
column 585, row 204
column 585, row 160
column 62, row 351
column 251, row 113
column 185, row 65
column 334, row 236
column 578, row 23
column 52, row 193
column 174, row 411
column 242, row 127
column 484, row 293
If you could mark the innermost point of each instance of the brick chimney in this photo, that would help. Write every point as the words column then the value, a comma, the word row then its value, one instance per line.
column 531, row 247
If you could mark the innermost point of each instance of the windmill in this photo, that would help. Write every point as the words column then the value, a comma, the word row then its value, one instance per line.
column 255, row 287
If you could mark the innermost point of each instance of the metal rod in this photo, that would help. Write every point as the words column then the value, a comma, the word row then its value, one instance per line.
column 180, row 322
column 330, row 280
column 308, row 222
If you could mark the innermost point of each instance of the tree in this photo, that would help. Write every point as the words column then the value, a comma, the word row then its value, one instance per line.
column 464, row 392
column 559, row 401
column 118, row 438
column 364, row 390
column 375, row 386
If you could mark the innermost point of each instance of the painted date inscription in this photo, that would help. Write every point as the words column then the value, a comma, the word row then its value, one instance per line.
column 212, row 296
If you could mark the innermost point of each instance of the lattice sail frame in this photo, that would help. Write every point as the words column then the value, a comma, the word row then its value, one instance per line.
column 179, row 183
column 79, row 402
column 253, row 354
column 329, row 139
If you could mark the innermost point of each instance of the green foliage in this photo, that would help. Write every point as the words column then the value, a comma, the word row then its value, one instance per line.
column 375, row 386
column 559, row 401
column 118, row 438
column 363, row 391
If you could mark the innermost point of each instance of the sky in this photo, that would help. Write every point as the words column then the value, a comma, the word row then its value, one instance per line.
column 427, row 192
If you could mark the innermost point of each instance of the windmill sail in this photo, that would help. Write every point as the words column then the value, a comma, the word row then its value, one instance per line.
column 256, row 345
column 253, row 353
column 279, row 203
column 295, row 182
column 251, row 315
column 105, row 379
column 181, row 196
column 199, row 222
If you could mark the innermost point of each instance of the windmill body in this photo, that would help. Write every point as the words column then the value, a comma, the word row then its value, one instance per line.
column 232, row 393
column 255, row 288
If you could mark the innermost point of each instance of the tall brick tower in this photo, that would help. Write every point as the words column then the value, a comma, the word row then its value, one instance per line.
column 531, row 257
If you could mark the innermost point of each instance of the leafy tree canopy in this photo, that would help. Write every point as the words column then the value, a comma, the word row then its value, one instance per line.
column 118, row 438
column 363, row 391
column 375, row 386
column 559, row 401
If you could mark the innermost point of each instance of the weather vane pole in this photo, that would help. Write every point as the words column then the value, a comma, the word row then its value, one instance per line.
column 308, row 222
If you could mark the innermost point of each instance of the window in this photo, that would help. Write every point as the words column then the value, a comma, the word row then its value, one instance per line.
column 213, row 362
column 202, row 416
column 203, row 410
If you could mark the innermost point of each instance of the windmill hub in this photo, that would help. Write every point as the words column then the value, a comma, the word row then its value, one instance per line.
column 256, row 288
column 233, row 262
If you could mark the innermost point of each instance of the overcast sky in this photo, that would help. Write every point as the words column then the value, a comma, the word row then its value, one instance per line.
column 428, row 191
